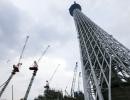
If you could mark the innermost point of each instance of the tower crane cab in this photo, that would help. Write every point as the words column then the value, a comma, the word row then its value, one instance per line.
column 34, row 67
column 16, row 68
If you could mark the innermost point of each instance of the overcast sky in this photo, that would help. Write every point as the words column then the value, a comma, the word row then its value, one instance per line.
column 49, row 23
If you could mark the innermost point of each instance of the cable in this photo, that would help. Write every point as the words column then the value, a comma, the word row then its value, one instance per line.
column 3, row 83
column 54, row 73
column 43, row 54
column 21, row 55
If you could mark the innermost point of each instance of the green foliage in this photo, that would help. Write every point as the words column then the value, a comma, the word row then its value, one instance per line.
column 50, row 94
column 53, row 95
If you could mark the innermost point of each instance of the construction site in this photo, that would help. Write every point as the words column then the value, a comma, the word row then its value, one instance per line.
column 99, row 70
column 49, row 93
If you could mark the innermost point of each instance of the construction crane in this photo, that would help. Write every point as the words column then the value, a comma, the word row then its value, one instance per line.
column 48, row 82
column 34, row 68
column 15, row 69
column 79, row 80
column 54, row 73
column 66, row 93
column 74, row 80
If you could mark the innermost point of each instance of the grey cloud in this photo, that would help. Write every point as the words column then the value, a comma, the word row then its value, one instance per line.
column 10, row 21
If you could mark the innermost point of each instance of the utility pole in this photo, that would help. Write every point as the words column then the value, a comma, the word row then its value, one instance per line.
column 12, row 92
column 15, row 69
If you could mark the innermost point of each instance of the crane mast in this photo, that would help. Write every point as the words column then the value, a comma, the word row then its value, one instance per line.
column 34, row 68
column 15, row 69
column 74, row 80
column 79, row 81
column 47, row 86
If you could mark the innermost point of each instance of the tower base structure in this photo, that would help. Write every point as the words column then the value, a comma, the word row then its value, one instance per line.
column 121, row 92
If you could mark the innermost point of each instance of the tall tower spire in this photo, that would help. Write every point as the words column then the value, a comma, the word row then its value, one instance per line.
column 105, row 61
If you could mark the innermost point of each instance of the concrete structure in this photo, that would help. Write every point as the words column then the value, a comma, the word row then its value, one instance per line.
column 105, row 61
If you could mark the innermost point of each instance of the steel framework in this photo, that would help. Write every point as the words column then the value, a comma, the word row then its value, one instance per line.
column 105, row 61
column 34, row 68
column 74, row 80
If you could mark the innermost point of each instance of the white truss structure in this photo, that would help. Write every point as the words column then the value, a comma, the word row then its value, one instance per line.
column 105, row 61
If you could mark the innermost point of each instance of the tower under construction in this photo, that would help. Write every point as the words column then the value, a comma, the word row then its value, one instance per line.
column 105, row 61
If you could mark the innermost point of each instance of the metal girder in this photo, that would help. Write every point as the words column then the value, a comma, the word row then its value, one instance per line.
column 102, row 56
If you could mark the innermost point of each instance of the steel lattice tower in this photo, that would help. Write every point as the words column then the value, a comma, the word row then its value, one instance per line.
column 105, row 61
